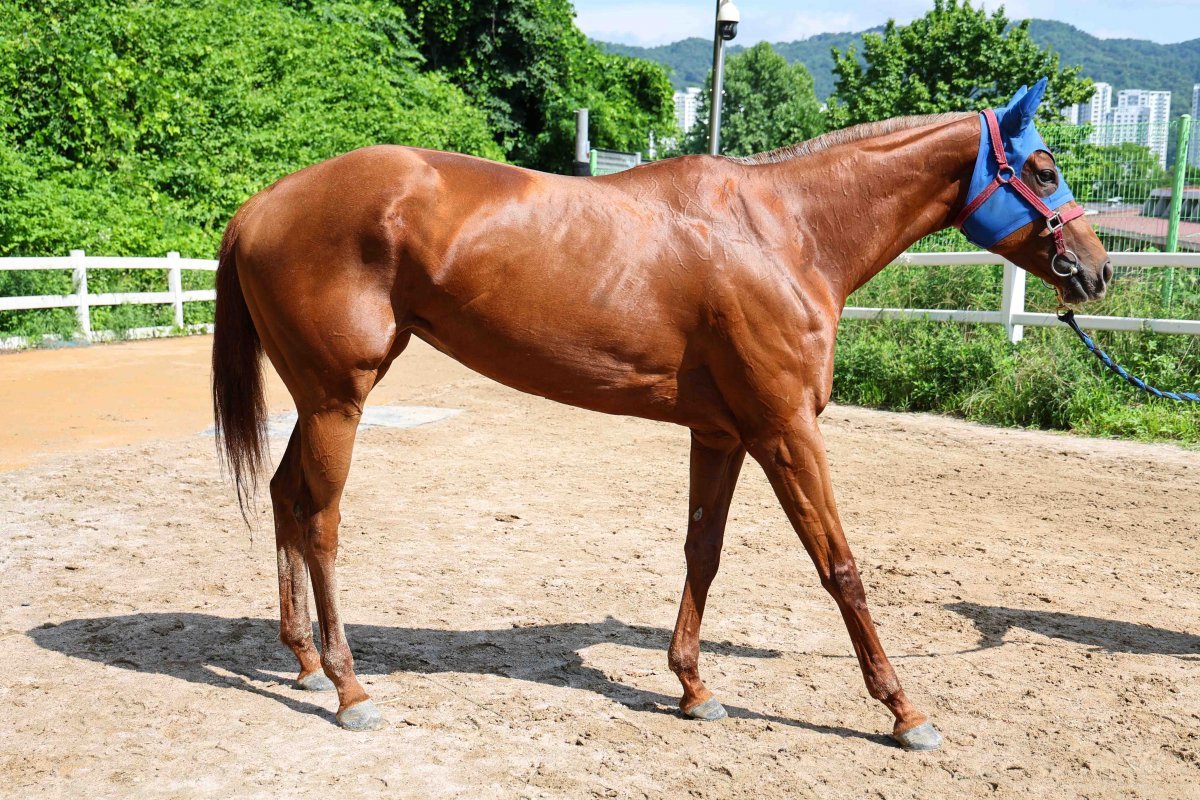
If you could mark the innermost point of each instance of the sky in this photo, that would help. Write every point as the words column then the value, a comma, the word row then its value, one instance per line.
column 653, row 23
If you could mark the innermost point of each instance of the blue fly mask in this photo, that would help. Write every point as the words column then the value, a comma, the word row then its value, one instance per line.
column 998, row 201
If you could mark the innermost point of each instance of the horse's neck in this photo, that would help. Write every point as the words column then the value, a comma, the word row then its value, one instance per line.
column 870, row 200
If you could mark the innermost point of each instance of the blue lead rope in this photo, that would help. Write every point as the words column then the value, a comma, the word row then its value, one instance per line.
column 1068, row 316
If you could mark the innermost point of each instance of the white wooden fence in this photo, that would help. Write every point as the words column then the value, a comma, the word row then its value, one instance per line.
column 1012, row 313
column 82, row 300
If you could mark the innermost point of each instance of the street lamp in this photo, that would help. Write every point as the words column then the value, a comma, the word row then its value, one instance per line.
column 727, row 22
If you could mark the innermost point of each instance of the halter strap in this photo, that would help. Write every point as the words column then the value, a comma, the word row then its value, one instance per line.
column 1007, row 176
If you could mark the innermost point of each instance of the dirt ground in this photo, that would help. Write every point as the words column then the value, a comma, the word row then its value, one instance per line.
column 510, row 576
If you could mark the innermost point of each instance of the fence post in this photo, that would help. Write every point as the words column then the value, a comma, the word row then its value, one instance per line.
column 1012, row 300
column 83, row 310
column 1177, row 184
column 175, row 286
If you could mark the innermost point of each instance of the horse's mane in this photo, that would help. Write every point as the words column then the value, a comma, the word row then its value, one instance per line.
column 852, row 134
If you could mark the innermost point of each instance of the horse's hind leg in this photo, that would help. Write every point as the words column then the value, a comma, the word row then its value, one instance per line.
column 794, row 460
column 326, row 443
column 714, row 474
column 295, row 626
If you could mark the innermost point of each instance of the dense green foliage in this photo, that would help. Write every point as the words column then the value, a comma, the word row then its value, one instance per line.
column 526, row 63
column 132, row 128
column 1047, row 381
column 138, row 128
column 955, row 58
column 135, row 128
column 1124, row 63
column 768, row 104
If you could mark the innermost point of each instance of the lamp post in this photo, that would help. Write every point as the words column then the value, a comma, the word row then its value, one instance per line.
column 727, row 22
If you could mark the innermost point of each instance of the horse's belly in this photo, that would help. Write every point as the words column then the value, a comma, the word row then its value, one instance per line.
column 614, row 371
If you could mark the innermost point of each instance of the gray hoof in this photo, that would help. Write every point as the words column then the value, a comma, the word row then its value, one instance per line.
column 362, row 716
column 315, row 682
column 923, row 737
column 709, row 710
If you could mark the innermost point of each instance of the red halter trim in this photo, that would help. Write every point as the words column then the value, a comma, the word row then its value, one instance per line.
column 1007, row 176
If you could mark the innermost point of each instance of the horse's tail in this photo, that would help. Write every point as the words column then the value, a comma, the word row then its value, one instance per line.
column 239, row 407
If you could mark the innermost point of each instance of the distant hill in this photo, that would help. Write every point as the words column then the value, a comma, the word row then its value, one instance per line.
column 689, row 60
column 1125, row 63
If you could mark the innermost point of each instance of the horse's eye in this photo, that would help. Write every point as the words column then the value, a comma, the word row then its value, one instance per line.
column 1047, row 176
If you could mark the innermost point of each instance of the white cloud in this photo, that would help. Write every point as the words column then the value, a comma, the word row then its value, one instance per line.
column 802, row 25
column 645, row 24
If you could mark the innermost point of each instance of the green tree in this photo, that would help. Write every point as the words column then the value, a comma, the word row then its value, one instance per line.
column 955, row 58
column 132, row 128
column 530, row 67
column 767, row 103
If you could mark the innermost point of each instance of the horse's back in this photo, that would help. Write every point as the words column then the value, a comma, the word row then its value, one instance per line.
column 591, row 292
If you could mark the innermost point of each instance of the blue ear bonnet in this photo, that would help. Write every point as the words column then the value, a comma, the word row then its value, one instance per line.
column 1006, row 211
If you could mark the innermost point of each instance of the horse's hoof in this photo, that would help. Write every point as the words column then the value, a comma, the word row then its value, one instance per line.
column 921, row 738
column 709, row 710
column 315, row 682
column 362, row 716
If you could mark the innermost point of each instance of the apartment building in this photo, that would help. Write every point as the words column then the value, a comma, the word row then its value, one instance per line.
column 686, row 105
column 1141, row 116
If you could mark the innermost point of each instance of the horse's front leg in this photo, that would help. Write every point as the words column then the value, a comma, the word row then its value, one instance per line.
column 793, row 458
column 714, row 472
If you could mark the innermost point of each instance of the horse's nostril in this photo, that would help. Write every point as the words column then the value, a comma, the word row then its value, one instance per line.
column 1106, row 271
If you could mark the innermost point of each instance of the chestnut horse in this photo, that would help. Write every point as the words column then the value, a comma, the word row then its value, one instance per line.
column 704, row 291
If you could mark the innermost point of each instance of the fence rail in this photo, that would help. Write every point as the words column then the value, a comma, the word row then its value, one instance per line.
column 82, row 300
column 1011, row 314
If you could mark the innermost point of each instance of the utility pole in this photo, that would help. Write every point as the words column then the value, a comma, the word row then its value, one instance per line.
column 726, row 28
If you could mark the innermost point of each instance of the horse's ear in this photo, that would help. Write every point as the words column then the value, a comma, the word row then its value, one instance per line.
column 1019, row 114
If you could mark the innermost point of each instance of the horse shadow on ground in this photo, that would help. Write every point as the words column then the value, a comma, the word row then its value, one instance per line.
column 1113, row 636
column 246, row 654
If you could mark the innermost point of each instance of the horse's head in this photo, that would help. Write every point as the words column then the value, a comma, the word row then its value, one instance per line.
column 1018, row 205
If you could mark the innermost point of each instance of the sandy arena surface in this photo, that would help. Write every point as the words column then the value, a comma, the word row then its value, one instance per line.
column 510, row 576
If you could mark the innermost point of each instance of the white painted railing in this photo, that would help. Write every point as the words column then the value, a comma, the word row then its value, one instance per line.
column 1012, row 314
column 82, row 300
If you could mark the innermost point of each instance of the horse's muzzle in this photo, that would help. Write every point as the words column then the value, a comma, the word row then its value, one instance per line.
column 1088, row 284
